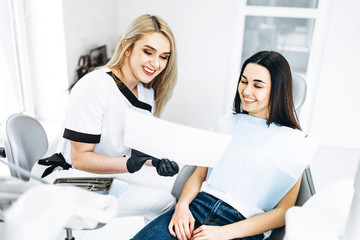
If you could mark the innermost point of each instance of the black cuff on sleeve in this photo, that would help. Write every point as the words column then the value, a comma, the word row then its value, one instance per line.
column 81, row 137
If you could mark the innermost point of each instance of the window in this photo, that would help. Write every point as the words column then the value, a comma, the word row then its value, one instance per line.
column 291, row 37
column 14, row 65
column 284, row 26
column 284, row 3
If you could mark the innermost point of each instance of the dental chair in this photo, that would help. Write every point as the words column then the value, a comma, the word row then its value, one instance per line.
column 25, row 142
column 307, row 188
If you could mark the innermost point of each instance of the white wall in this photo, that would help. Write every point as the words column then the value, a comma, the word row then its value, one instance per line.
column 59, row 31
column 203, row 34
column 88, row 24
column 202, row 31
column 336, row 115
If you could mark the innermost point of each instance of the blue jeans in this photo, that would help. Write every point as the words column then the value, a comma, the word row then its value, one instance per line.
column 205, row 208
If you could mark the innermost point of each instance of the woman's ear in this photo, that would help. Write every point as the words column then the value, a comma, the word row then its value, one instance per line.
column 127, row 52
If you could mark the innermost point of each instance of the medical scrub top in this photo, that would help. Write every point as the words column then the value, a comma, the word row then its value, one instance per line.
column 96, row 113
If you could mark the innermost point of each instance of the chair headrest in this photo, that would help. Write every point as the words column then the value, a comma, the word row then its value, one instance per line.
column 299, row 90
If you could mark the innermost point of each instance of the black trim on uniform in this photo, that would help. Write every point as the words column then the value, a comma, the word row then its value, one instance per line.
column 129, row 95
column 81, row 137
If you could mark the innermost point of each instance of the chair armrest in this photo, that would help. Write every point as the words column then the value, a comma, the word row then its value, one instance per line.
column 181, row 179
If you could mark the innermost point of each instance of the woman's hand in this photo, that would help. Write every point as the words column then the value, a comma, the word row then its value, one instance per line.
column 183, row 222
column 209, row 232
column 165, row 167
column 136, row 160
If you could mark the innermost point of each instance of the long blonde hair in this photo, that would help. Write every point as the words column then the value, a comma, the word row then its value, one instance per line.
column 164, row 83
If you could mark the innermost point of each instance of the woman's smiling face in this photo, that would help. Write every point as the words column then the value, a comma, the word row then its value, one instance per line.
column 254, row 90
column 148, row 57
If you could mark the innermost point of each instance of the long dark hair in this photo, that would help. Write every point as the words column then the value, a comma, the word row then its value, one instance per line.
column 281, row 103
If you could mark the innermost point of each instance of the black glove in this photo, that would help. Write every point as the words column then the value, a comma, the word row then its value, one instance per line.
column 137, row 160
column 165, row 167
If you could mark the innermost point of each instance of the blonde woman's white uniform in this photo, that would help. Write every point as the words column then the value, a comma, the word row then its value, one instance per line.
column 96, row 115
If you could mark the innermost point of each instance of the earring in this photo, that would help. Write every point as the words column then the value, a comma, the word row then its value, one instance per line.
column 241, row 109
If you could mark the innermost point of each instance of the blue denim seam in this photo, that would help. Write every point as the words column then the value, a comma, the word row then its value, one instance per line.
column 218, row 216
column 213, row 212
column 239, row 215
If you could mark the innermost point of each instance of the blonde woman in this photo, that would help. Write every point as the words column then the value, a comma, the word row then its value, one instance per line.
column 140, row 75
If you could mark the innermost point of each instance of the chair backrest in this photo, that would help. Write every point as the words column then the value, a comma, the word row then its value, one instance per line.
column 181, row 179
column 307, row 189
column 25, row 142
column 299, row 91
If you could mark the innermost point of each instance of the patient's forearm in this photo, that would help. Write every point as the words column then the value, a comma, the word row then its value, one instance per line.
column 256, row 224
column 192, row 186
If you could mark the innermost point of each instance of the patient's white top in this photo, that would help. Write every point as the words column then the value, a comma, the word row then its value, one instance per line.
column 260, row 165
column 96, row 113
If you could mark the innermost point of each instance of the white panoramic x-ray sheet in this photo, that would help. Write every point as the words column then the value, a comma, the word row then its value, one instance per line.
column 164, row 139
